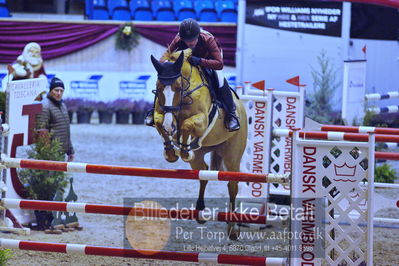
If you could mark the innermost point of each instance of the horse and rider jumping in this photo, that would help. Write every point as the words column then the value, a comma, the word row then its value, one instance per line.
column 187, row 116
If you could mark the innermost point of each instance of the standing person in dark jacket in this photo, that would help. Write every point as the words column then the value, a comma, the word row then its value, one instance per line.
column 206, row 53
column 54, row 117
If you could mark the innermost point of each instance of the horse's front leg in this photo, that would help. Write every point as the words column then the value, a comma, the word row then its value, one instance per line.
column 169, row 152
column 194, row 126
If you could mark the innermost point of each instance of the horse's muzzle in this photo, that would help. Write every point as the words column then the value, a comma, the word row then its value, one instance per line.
column 171, row 131
column 174, row 130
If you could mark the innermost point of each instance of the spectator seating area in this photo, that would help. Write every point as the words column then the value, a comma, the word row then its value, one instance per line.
column 158, row 10
column 162, row 10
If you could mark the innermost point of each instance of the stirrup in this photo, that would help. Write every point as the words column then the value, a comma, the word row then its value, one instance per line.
column 149, row 118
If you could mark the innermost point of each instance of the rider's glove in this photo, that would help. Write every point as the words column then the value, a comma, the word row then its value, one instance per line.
column 195, row 61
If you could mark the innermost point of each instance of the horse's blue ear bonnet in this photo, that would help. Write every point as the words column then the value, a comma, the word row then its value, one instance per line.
column 168, row 72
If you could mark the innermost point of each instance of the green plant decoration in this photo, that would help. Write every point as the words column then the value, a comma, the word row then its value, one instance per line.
column 127, row 37
column 2, row 101
column 325, row 83
column 5, row 255
column 384, row 174
column 41, row 184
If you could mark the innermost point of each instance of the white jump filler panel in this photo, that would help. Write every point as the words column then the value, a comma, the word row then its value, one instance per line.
column 326, row 175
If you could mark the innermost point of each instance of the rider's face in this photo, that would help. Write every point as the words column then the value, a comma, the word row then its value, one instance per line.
column 192, row 44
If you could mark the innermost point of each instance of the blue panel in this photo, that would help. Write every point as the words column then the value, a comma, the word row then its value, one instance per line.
column 225, row 5
column 208, row 16
column 180, row 5
column 186, row 14
column 4, row 11
column 139, row 4
column 88, row 8
column 116, row 3
column 144, row 77
column 95, row 77
column 205, row 10
column 228, row 16
column 50, row 77
column 184, row 9
column 140, row 10
column 163, row 10
column 200, row 5
column 100, row 13
column 101, row 3
column 143, row 15
column 161, row 5
column 165, row 15
column 121, row 13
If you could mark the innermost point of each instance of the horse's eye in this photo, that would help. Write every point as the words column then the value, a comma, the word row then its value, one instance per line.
column 176, row 85
column 160, row 86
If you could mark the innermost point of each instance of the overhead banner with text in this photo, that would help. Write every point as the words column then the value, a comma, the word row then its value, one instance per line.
column 323, row 18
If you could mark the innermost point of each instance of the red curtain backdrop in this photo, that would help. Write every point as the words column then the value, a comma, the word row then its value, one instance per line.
column 56, row 39
column 59, row 39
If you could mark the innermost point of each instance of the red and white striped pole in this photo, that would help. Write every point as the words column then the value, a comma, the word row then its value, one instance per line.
column 387, row 155
column 183, row 214
column 146, row 172
column 332, row 135
column 345, row 136
column 361, row 129
column 141, row 253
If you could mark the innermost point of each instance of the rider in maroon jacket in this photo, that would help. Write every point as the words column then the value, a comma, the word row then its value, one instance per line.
column 207, row 54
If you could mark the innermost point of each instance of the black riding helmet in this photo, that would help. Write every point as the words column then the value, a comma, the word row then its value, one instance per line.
column 189, row 30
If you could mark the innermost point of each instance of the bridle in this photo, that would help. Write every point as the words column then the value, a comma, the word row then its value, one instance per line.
column 185, row 92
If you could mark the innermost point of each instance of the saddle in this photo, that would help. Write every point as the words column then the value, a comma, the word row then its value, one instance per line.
column 213, row 85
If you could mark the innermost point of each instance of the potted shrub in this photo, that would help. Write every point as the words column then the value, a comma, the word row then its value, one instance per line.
column 139, row 111
column 105, row 112
column 84, row 112
column 5, row 256
column 72, row 104
column 3, row 105
column 123, row 108
column 41, row 184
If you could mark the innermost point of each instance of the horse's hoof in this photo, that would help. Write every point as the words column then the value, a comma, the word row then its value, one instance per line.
column 172, row 160
column 200, row 221
column 170, row 156
column 233, row 231
column 187, row 156
column 200, row 206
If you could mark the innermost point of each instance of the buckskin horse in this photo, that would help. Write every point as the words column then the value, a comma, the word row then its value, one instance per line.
column 181, row 116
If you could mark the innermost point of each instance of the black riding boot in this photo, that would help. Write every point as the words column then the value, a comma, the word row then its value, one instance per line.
column 231, row 120
column 149, row 117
